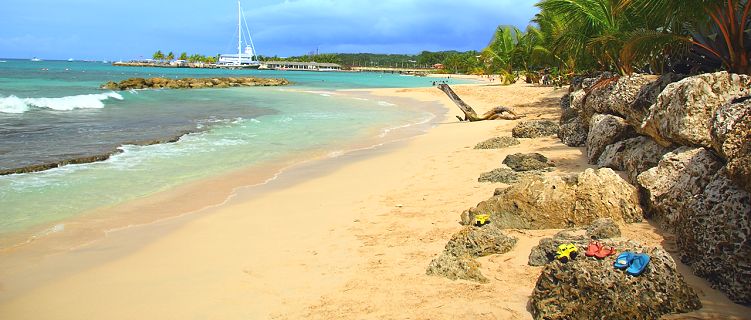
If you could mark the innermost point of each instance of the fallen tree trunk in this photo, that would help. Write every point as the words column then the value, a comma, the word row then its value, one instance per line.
column 497, row 113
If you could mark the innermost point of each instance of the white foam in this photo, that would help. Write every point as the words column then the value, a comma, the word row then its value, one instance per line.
column 15, row 104
column 385, row 104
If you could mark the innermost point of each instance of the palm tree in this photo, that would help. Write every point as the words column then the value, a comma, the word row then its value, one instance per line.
column 158, row 55
column 498, row 55
column 184, row 56
column 170, row 56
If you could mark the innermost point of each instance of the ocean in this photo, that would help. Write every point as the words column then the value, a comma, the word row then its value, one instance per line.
column 54, row 110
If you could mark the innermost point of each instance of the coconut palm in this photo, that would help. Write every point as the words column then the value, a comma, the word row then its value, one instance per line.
column 498, row 55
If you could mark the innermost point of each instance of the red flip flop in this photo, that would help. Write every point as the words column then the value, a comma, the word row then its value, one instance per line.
column 593, row 248
column 604, row 252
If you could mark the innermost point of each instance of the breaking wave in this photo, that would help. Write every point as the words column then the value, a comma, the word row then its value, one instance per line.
column 15, row 104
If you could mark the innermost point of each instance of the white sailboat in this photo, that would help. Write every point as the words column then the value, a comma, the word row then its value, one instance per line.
column 35, row 59
column 246, row 58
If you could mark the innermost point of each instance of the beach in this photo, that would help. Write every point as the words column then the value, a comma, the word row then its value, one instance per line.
column 336, row 238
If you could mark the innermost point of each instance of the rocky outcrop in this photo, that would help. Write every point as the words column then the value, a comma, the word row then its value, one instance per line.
column 557, row 202
column 689, row 193
column 679, row 177
column 192, row 83
column 731, row 136
column 683, row 112
column 605, row 129
column 498, row 143
column 633, row 156
column 535, row 129
column 714, row 237
column 588, row 288
column 457, row 260
column 527, row 162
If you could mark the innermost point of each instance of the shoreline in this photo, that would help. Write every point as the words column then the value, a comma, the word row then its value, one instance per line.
column 349, row 241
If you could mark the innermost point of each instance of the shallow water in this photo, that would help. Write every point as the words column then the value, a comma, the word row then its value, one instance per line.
column 53, row 110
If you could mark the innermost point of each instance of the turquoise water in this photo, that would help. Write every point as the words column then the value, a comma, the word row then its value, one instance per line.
column 50, row 110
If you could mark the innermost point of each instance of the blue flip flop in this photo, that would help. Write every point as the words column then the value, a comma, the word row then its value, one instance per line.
column 638, row 264
column 624, row 260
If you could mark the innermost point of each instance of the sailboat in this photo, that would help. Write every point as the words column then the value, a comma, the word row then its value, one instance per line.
column 35, row 59
column 243, row 59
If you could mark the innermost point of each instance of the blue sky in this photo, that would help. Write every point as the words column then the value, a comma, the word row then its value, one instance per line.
column 98, row 29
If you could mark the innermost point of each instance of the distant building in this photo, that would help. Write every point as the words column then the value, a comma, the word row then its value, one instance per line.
column 438, row 66
column 300, row 66
column 179, row 63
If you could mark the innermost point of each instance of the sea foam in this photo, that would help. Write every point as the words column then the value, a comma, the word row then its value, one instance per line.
column 15, row 104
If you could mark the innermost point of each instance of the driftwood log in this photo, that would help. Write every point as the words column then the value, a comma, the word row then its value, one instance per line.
column 497, row 113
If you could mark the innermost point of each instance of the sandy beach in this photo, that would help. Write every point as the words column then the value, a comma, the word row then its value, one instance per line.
column 341, row 238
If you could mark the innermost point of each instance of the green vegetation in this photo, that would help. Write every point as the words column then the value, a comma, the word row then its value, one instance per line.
column 625, row 36
column 158, row 55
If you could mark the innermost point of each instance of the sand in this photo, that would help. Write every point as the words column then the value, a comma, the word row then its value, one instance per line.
column 334, row 239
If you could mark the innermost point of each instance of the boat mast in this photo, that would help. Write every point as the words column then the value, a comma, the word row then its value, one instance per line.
column 239, row 33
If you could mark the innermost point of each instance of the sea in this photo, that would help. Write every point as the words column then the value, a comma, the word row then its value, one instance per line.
column 52, row 111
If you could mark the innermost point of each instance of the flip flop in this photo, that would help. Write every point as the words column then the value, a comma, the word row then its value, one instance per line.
column 604, row 252
column 638, row 264
column 623, row 260
column 593, row 248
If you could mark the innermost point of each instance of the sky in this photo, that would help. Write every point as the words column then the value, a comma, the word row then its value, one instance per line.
column 125, row 30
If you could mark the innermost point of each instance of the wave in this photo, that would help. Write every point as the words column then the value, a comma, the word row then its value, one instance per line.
column 15, row 104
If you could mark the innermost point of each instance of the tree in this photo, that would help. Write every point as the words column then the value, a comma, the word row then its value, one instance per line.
column 158, row 55
column 184, row 56
column 170, row 56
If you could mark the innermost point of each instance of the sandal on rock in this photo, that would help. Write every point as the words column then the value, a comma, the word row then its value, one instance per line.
column 593, row 248
column 604, row 252
column 638, row 264
column 623, row 260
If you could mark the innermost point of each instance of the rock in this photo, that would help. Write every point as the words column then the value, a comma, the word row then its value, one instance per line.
column 647, row 96
column 196, row 83
column 614, row 96
column 634, row 156
column 731, row 133
column 714, row 237
column 463, row 267
column 603, row 229
column 497, row 143
column 506, row 175
column 479, row 242
column 557, row 202
column 574, row 126
column 679, row 177
column 527, row 162
column 604, row 129
column 535, row 129
column 684, row 110
column 457, row 260
column 544, row 252
column 588, row 288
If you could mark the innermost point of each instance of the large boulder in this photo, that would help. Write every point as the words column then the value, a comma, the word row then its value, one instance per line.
column 615, row 95
column 527, row 162
column 714, row 237
column 604, row 129
column 561, row 202
column 731, row 134
column 672, row 186
column 647, row 96
column 633, row 156
column 588, row 288
column 684, row 110
column 535, row 129
column 604, row 228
